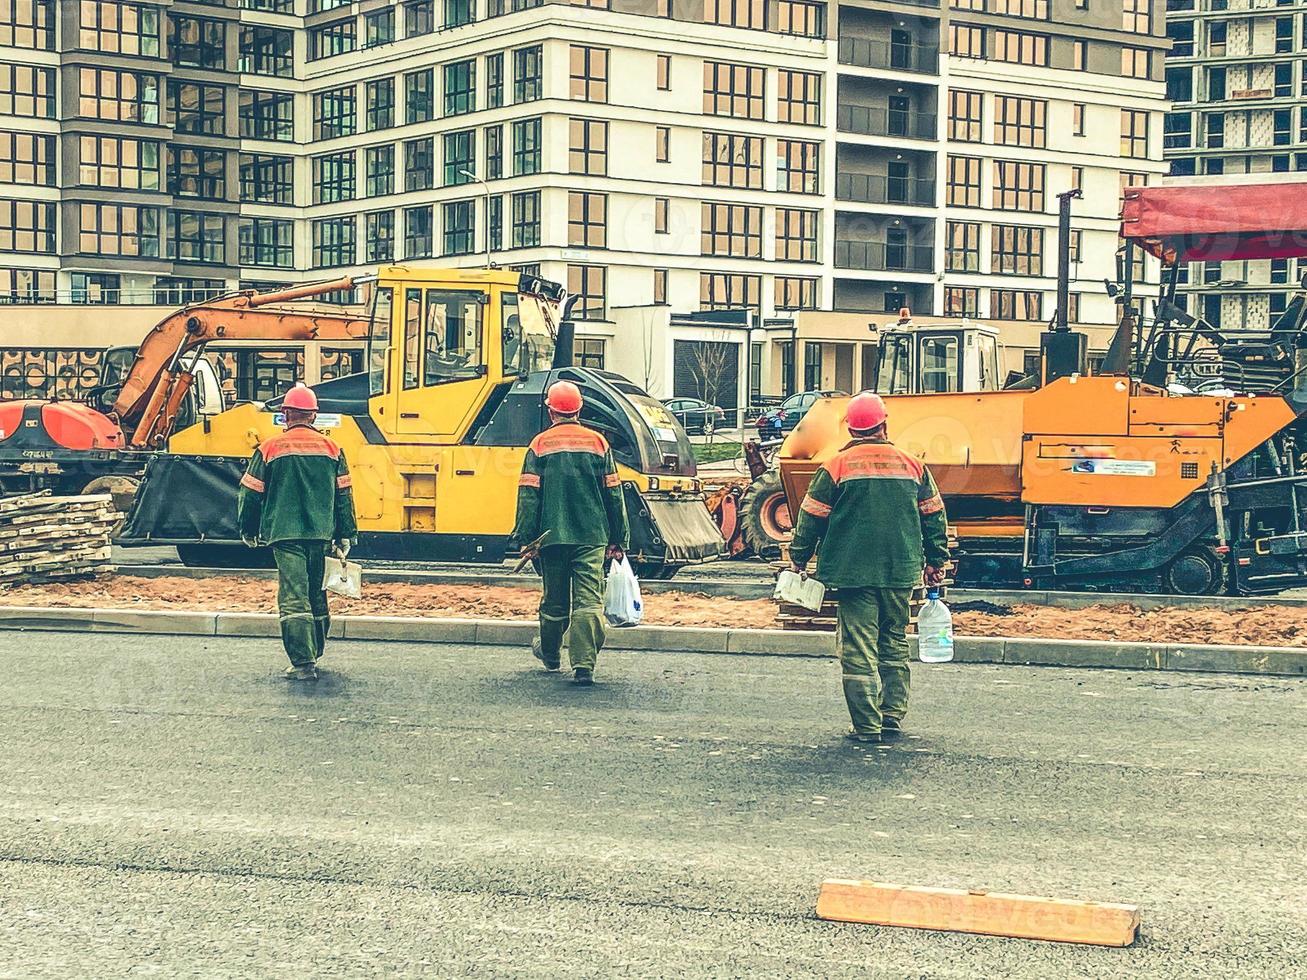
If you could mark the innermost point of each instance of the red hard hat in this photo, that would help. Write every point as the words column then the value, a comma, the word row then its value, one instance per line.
column 301, row 397
column 564, row 398
column 866, row 411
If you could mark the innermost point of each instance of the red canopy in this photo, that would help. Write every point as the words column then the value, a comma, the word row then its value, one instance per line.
column 1211, row 222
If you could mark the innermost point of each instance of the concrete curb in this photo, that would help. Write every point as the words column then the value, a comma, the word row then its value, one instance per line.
column 1273, row 661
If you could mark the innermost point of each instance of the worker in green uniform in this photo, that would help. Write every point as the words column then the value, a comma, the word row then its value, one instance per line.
column 296, row 496
column 879, row 519
column 570, row 494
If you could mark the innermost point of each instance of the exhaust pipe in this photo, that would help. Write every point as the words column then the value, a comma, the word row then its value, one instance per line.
column 565, row 341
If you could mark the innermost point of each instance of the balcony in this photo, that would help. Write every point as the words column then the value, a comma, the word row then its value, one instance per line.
column 876, row 53
column 882, row 189
column 884, row 256
column 877, row 121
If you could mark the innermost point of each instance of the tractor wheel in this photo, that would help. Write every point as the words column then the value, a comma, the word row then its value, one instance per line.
column 1198, row 571
column 765, row 515
column 121, row 488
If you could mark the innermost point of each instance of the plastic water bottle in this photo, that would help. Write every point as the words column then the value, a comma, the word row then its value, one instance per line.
column 934, row 630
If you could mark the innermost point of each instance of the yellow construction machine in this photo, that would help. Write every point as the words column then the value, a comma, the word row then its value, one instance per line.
column 436, row 430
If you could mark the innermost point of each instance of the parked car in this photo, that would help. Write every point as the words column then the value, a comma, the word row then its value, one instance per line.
column 696, row 416
column 783, row 419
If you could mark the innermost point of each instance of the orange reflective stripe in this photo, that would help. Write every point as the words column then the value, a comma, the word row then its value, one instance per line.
column 258, row 486
column 529, row 480
column 931, row 505
column 612, row 480
column 299, row 442
column 344, row 481
column 874, row 461
column 569, row 438
column 815, row 507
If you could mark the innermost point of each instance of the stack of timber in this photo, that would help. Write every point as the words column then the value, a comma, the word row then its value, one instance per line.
column 43, row 537
column 794, row 617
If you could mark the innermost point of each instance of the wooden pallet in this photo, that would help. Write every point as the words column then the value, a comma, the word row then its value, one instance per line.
column 47, row 538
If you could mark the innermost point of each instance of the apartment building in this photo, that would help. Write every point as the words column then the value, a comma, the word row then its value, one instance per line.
column 703, row 155
column 1236, row 76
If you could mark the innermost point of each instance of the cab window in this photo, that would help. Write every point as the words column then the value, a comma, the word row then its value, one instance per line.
column 939, row 364
column 379, row 341
column 514, row 350
column 895, row 367
column 412, row 336
column 452, row 336
column 987, row 351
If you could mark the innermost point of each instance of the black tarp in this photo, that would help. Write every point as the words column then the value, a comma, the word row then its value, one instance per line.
column 186, row 499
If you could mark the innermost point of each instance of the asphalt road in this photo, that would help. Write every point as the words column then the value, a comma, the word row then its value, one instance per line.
column 169, row 806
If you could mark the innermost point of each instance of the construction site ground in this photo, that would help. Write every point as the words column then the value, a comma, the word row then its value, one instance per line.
column 1263, row 625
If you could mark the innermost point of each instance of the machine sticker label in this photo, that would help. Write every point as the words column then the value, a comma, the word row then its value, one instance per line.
column 326, row 420
column 1116, row 467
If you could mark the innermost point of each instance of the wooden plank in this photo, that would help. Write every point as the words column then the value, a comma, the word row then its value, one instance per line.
column 987, row 913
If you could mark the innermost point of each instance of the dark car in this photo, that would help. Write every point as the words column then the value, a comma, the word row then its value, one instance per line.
column 784, row 418
column 696, row 416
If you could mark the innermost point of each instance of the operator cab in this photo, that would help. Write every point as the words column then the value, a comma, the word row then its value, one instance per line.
column 930, row 359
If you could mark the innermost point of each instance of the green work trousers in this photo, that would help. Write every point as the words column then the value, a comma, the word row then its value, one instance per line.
column 873, row 647
column 301, row 600
column 573, row 596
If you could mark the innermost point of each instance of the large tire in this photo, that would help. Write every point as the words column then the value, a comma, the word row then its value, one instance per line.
column 224, row 556
column 1196, row 571
column 765, row 516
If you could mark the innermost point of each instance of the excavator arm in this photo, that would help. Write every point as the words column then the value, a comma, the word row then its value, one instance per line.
column 156, row 385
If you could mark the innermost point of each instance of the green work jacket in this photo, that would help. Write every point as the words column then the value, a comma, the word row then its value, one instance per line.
column 570, row 488
column 297, row 488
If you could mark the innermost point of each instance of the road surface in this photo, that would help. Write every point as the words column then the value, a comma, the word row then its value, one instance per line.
column 171, row 806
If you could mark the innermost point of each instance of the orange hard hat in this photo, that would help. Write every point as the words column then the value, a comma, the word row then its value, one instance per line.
column 302, row 398
column 564, row 398
column 866, row 411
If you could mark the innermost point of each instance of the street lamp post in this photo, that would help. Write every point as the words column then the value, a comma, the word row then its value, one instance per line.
column 471, row 176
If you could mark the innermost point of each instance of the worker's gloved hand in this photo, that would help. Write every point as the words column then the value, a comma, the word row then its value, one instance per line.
column 249, row 542
column 932, row 575
column 341, row 547
column 615, row 552
column 798, row 569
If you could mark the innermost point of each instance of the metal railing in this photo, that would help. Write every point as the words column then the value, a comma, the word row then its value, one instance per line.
column 880, row 121
column 884, row 257
column 877, row 53
column 884, row 189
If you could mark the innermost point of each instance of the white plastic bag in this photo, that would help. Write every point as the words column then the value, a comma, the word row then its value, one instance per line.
column 343, row 577
column 622, row 603
column 799, row 589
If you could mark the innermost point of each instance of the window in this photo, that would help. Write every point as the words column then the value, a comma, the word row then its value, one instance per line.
column 460, row 157
column 1017, row 250
column 266, row 242
column 28, row 226
column 379, row 170
column 962, row 246
column 1036, row 9
column 1073, row 245
column 731, row 230
column 333, row 241
column 27, row 24
column 267, row 51
column 1016, row 304
column 459, row 220
column 1180, row 84
column 119, row 162
column 798, row 97
column 526, row 219
column 663, row 72
column 1020, row 48
column 587, row 219
column 1018, row 186
column 660, row 287
column 1282, row 127
column 1215, row 122
column 196, row 237
column 1020, row 122
column 379, row 236
column 733, row 90
column 802, row 18
column 197, row 109
column 197, row 172
column 338, row 37
column 1217, row 34
column 26, row 90
column 1077, row 118
column 459, row 12
column 379, row 27
column 494, row 81
column 1077, row 178
column 526, row 147
column 1283, row 35
column 527, row 74
column 966, row 41
column 732, row 160
column 588, row 150
column 728, row 291
column 1136, row 17
column 1134, row 133
column 96, row 287
column 662, row 144
column 115, row 229
column 963, row 187
column 460, row 87
column 960, row 301
column 267, row 115
column 419, row 164
column 196, row 42
column 794, row 293
column 333, row 177
column 1134, row 62
column 1283, row 80
column 418, row 240
column 734, row 13
column 1079, row 55
column 494, row 137
column 589, row 352
column 662, row 215
column 419, row 104
column 105, row 25
column 380, row 104
column 26, row 158
column 796, row 235
column 798, row 166
column 965, row 115
column 589, row 74
column 26, row 285
column 589, row 284
column 334, row 113
column 120, row 96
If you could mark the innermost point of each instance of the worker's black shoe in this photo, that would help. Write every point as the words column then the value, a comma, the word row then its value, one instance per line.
column 538, row 653
column 305, row 673
column 583, row 677
column 865, row 737
column 890, row 728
